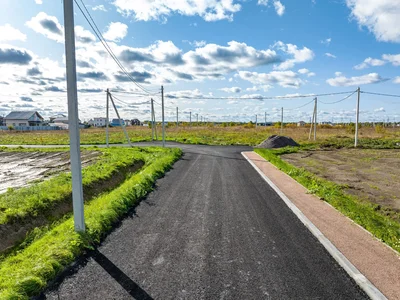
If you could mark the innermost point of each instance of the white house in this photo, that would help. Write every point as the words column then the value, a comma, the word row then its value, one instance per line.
column 23, row 118
column 62, row 120
column 99, row 122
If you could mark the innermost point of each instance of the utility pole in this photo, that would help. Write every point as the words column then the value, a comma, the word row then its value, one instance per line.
column 73, row 120
column 282, row 121
column 190, row 119
column 107, row 117
column 177, row 119
column 315, row 118
column 121, row 122
column 312, row 121
column 163, row 122
column 256, row 121
column 197, row 119
column 152, row 120
column 265, row 119
column 357, row 116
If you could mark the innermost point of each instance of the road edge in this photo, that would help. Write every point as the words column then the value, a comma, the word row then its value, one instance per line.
column 370, row 289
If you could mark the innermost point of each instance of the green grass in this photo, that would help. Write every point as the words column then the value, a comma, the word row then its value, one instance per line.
column 17, row 204
column 27, row 273
column 364, row 214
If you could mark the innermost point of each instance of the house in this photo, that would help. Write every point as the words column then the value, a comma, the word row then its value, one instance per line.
column 1, row 120
column 117, row 122
column 301, row 124
column 98, row 122
column 23, row 118
column 136, row 122
column 52, row 118
column 127, row 122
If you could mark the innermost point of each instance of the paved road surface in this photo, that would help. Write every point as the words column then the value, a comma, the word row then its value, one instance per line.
column 212, row 229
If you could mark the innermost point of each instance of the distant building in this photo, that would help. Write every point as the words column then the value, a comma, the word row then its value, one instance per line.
column 136, row 122
column 23, row 118
column 1, row 120
column 63, row 120
column 127, row 122
column 98, row 122
column 117, row 122
column 301, row 124
column 52, row 118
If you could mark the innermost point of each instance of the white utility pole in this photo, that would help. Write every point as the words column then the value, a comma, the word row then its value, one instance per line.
column 357, row 117
column 256, row 121
column 197, row 119
column 163, row 121
column 282, row 121
column 73, row 120
column 121, row 122
column 312, row 122
column 177, row 117
column 190, row 119
column 315, row 118
column 107, row 117
column 152, row 120
column 265, row 119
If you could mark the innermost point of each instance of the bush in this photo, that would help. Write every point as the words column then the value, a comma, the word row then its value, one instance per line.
column 380, row 129
column 10, row 127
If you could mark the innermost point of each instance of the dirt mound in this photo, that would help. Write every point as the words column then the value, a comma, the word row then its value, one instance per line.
column 277, row 141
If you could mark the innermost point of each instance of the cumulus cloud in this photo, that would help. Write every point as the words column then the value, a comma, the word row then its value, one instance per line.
column 92, row 75
column 279, row 7
column 330, row 55
column 26, row 99
column 299, row 55
column 326, row 41
column 99, row 7
column 9, row 33
column 370, row 62
column 33, row 71
column 341, row 80
column 47, row 25
column 393, row 59
column 287, row 79
column 382, row 17
column 209, row 10
column 83, row 36
column 381, row 109
column 234, row 89
column 140, row 77
column 38, row 1
column 116, row 31
column 303, row 71
column 397, row 80
column 15, row 56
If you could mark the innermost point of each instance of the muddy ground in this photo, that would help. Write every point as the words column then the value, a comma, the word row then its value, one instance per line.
column 373, row 175
column 18, row 169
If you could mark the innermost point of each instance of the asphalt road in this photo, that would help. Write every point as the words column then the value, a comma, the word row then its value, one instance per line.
column 212, row 229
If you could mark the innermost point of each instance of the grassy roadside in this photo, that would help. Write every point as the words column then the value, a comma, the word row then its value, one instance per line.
column 364, row 214
column 27, row 273
column 30, row 201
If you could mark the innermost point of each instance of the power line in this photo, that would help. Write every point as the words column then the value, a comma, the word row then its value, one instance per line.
column 105, row 44
column 345, row 98
column 258, row 97
column 380, row 94
column 300, row 106
column 133, row 93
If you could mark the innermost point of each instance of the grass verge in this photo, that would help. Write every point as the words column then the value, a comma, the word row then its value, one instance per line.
column 364, row 214
column 25, row 274
column 20, row 203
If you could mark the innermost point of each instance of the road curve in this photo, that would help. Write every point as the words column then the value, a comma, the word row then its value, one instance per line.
column 212, row 229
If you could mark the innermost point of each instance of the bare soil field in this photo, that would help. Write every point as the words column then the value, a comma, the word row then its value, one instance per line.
column 372, row 175
column 18, row 169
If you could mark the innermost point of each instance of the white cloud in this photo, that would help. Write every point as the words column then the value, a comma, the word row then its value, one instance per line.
column 116, row 31
column 341, row 80
column 311, row 74
column 393, row 59
column 209, row 10
column 253, row 89
column 287, row 79
column 299, row 55
column 381, row 17
column 48, row 26
column 99, row 7
column 234, row 89
column 381, row 109
column 330, row 55
column 303, row 71
column 262, row 2
column 326, row 41
column 337, row 74
column 370, row 62
column 38, row 1
column 279, row 7
column 397, row 80
column 9, row 33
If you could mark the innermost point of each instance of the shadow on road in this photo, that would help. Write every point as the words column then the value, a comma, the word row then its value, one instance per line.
column 128, row 284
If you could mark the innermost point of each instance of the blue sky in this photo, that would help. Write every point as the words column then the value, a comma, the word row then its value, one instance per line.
column 207, row 48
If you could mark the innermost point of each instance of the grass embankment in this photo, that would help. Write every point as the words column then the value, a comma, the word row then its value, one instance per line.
column 17, row 204
column 25, row 274
column 365, row 214
column 207, row 135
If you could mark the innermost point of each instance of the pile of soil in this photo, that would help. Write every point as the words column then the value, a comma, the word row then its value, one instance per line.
column 277, row 141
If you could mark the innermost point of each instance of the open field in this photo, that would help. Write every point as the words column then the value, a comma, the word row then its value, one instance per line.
column 209, row 135
column 382, row 222
column 372, row 175
column 49, row 249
